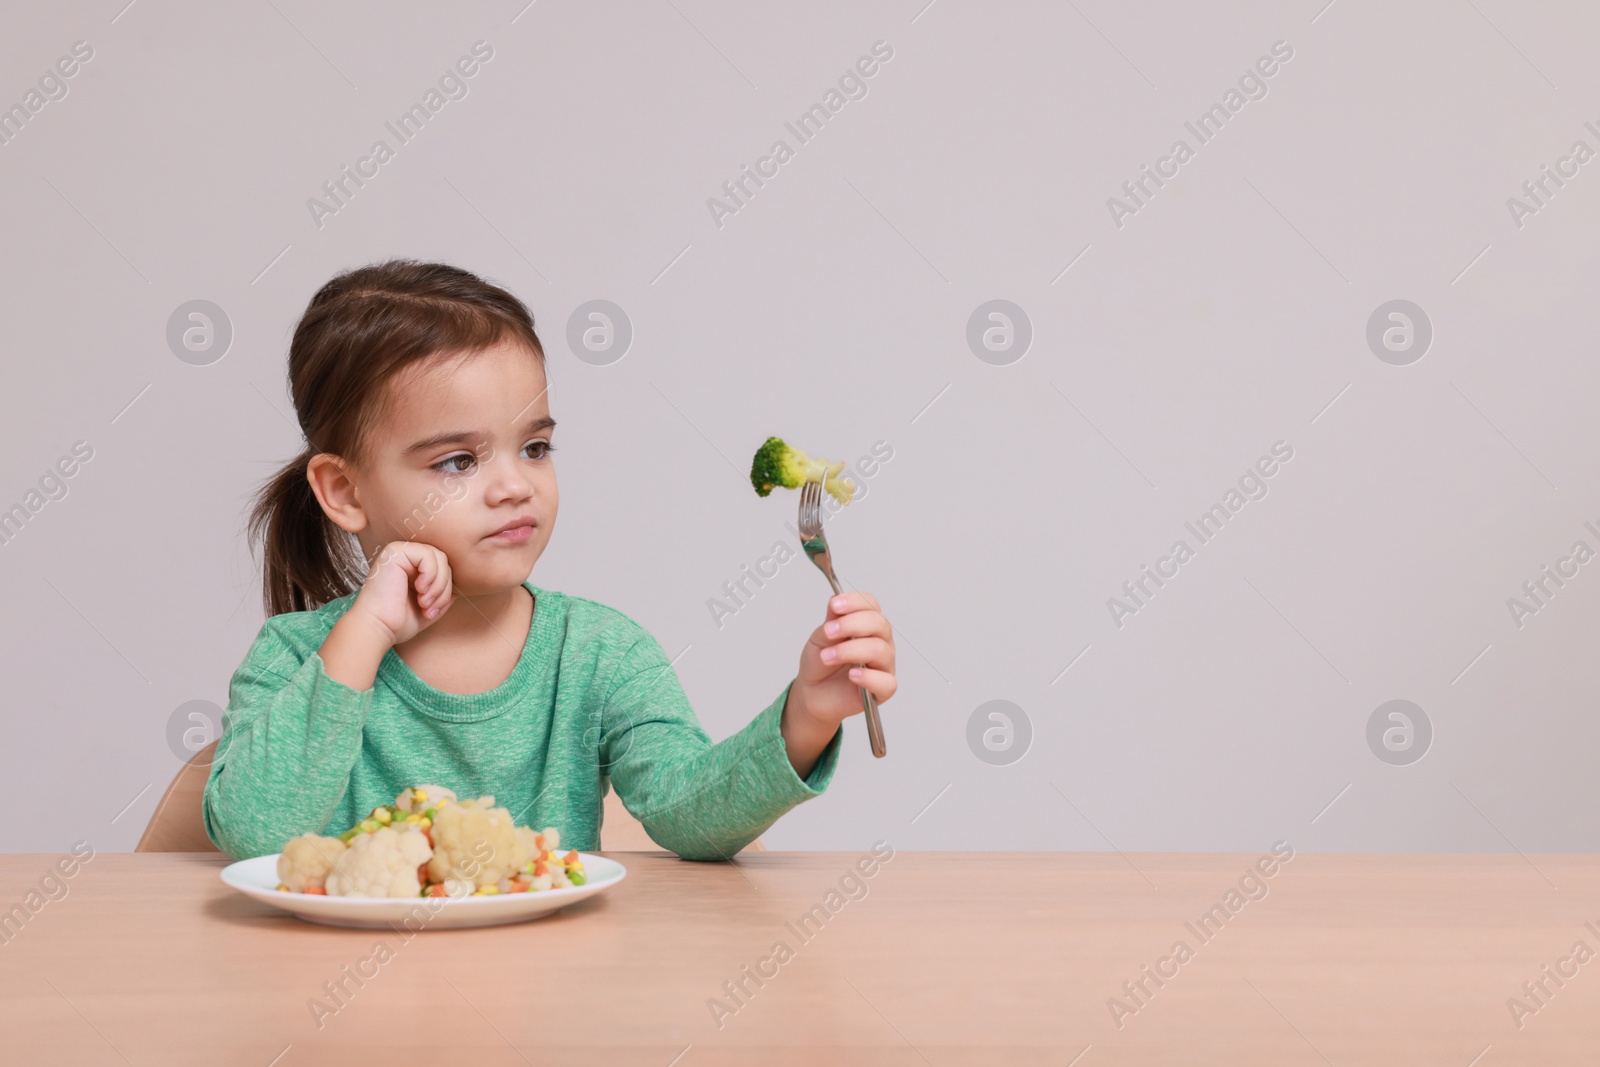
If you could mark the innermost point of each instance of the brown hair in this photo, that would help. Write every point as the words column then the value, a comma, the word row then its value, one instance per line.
column 360, row 330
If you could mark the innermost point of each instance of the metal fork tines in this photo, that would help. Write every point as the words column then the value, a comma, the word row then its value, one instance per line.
column 815, row 544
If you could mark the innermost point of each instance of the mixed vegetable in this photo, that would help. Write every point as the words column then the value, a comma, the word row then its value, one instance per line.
column 430, row 843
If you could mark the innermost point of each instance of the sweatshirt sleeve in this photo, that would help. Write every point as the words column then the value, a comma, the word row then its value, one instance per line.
column 287, row 749
column 701, row 800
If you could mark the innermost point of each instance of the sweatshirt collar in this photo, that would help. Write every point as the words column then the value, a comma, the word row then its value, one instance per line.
column 531, row 669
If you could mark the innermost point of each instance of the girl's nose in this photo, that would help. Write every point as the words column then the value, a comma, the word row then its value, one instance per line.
column 507, row 480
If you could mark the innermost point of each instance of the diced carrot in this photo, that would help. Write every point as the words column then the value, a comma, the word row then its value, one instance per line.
column 519, row 885
column 317, row 890
column 570, row 857
column 427, row 831
column 422, row 874
column 437, row 890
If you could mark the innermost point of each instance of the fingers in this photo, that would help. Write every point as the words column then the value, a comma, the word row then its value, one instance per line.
column 427, row 576
column 434, row 594
column 387, row 554
column 872, row 651
column 427, row 571
column 439, row 600
column 426, row 583
column 859, row 635
column 845, row 603
column 409, row 556
column 881, row 684
column 865, row 623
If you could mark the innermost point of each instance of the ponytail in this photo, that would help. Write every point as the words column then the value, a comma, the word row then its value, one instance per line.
column 309, row 559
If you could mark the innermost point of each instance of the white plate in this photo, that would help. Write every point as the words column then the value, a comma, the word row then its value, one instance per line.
column 258, row 878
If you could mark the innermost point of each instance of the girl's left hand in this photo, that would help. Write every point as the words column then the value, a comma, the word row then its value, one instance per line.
column 853, row 632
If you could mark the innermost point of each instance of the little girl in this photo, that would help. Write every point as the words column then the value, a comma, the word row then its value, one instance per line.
column 405, row 644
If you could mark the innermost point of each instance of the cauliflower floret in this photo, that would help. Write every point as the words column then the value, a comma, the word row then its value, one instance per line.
column 306, row 861
column 417, row 799
column 529, row 840
column 539, row 842
column 381, row 864
column 477, row 842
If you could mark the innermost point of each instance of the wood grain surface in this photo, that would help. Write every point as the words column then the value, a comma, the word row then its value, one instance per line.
column 935, row 959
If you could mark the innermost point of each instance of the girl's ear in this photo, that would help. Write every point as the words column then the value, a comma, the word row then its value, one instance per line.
column 331, row 483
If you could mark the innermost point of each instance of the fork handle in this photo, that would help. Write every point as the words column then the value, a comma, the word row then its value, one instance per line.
column 869, row 703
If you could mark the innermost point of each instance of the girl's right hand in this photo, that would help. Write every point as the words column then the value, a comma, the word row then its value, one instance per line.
column 407, row 589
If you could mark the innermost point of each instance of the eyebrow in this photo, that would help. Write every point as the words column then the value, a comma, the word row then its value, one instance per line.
column 459, row 437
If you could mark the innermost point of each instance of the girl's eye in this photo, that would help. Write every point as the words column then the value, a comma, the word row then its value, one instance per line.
column 449, row 465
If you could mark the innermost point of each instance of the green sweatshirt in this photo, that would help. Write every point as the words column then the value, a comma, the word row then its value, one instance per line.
column 593, row 703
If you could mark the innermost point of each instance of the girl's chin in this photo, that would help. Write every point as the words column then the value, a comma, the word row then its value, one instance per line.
column 507, row 572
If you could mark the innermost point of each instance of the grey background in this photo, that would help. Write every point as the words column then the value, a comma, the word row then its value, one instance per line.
column 1229, row 313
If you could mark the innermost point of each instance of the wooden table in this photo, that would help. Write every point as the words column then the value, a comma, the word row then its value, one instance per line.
column 948, row 958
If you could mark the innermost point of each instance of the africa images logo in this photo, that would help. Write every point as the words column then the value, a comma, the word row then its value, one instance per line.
column 1252, row 86
column 852, row 86
column 1252, row 485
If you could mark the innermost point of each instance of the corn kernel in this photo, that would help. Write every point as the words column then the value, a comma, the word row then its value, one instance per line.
column 381, row 814
column 413, row 819
column 421, row 795
column 424, row 822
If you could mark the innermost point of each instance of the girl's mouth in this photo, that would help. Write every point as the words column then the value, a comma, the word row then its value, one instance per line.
column 513, row 535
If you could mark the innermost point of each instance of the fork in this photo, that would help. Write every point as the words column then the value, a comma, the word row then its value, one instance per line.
column 816, row 546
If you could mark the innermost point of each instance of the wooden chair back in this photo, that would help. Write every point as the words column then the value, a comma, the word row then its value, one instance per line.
column 177, row 824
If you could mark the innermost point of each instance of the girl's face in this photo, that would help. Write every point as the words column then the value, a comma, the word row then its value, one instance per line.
column 462, row 450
